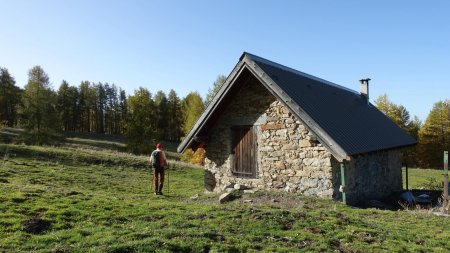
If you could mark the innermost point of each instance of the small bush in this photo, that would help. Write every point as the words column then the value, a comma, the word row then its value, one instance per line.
column 187, row 156
column 197, row 157
column 432, row 184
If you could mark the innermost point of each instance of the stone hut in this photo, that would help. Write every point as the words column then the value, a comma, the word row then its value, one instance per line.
column 273, row 127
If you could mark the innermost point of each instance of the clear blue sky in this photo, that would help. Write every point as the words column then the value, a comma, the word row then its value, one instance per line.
column 403, row 46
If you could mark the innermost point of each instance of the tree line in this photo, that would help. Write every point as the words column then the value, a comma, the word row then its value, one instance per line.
column 433, row 136
column 143, row 118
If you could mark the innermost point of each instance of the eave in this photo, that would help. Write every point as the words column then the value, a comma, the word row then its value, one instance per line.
column 247, row 63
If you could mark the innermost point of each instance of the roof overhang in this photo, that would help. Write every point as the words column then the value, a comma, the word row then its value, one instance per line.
column 296, row 110
column 194, row 139
column 247, row 67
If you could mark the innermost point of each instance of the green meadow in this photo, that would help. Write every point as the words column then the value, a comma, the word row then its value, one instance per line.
column 75, row 198
column 430, row 179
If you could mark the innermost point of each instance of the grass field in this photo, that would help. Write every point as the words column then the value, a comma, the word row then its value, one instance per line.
column 430, row 179
column 72, row 199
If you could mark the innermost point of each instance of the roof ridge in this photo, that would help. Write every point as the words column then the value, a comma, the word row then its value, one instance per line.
column 286, row 68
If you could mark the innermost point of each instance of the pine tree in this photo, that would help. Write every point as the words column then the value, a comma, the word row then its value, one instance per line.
column 434, row 136
column 67, row 98
column 123, row 111
column 86, row 104
column 174, row 117
column 383, row 104
column 161, row 115
column 112, row 109
column 216, row 87
column 397, row 113
column 100, row 102
column 414, row 126
column 401, row 117
column 10, row 96
column 38, row 108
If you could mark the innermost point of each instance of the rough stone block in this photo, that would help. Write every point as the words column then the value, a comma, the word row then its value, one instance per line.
column 265, row 135
column 266, row 127
column 308, row 161
column 225, row 197
column 289, row 121
column 305, row 143
column 281, row 133
column 278, row 184
column 303, row 173
column 280, row 165
column 318, row 174
column 289, row 146
column 238, row 187
column 325, row 163
column 277, row 153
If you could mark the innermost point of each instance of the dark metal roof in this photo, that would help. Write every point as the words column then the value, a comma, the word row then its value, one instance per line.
column 357, row 126
column 341, row 118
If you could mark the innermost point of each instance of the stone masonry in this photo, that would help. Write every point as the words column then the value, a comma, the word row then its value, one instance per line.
column 289, row 156
column 371, row 176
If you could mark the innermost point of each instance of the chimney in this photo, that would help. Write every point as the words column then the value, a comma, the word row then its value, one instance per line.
column 365, row 88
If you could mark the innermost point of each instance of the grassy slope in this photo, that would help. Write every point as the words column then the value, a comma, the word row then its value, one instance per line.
column 98, row 201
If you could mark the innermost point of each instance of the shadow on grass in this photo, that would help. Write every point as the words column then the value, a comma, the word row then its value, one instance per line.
column 395, row 202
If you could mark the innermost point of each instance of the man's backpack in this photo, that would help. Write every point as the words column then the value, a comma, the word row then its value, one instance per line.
column 156, row 158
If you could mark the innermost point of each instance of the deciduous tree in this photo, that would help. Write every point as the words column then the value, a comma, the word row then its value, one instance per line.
column 434, row 136
column 141, row 126
column 192, row 108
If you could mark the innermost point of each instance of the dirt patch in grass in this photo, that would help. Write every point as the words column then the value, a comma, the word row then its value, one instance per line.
column 260, row 198
column 287, row 225
column 35, row 225
column 314, row 230
column 366, row 237
column 278, row 201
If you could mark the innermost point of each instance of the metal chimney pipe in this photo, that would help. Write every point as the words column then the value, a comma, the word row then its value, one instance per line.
column 365, row 88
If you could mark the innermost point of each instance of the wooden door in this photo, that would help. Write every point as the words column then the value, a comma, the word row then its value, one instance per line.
column 244, row 150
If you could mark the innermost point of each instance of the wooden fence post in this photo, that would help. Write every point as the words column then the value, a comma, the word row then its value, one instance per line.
column 342, row 188
column 407, row 176
column 445, row 205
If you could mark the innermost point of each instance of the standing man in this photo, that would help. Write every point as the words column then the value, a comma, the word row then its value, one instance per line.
column 159, row 163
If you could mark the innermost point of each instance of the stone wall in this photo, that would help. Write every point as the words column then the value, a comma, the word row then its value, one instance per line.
column 289, row 157
column 370, row 176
